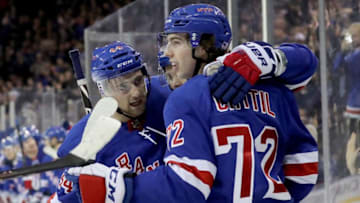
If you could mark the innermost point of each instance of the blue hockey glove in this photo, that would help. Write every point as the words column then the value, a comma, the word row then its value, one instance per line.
column 229, row 86
column 242, row 69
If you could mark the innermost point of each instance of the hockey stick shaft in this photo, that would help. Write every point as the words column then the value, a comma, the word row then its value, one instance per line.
column 68, row 161
column 80, row 78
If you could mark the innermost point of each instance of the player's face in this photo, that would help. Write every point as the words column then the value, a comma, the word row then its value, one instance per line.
column 172, row 79
column 130, row 92
column 179, row 51
column 10, row 153
column 30, row 148
column 356, row 40
column 53, row 142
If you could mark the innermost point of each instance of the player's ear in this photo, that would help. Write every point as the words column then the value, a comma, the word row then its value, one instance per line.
column 200, row 52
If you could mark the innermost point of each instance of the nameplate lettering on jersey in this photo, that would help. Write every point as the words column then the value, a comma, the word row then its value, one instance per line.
column 123, row 161
column 256, row 100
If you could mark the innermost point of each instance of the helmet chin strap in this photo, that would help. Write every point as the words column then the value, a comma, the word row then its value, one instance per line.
column 118, row 110
column 134, row 122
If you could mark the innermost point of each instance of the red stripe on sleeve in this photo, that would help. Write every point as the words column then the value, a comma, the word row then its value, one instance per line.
column 301, row 169
column 298, row 89
column 205, row 176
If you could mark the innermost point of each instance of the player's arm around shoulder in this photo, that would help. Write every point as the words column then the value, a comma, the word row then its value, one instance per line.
column 301, row 64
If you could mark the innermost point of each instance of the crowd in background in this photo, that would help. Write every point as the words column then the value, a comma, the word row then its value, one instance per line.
column 35, row 38
column 34, row 43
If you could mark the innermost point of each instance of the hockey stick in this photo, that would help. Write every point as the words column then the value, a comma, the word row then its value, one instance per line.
column 80, row 79
column 99, row 130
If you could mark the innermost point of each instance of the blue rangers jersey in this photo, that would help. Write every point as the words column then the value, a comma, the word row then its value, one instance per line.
column 9, row 187
column 258, row 151
column 44, row 182
column 138, row 150
column 352, row 61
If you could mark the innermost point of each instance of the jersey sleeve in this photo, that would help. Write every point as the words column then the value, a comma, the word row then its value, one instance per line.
column 301, row 65
column 190, row 169
column 352, row 61
column 300, row 164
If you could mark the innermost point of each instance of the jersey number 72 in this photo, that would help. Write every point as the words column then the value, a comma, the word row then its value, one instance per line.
column 226, row 135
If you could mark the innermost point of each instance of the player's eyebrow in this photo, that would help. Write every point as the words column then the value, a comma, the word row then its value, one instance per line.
column 175, row 36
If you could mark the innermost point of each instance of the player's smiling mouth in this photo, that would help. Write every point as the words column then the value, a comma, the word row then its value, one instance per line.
column 136, row 103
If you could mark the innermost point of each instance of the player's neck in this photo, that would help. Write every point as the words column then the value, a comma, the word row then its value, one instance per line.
column 120, row 117
column 201, row 69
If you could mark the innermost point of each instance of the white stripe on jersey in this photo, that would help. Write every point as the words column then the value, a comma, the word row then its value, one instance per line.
column 181, row 165
column 306, row 157
column 351, row 108
column 309, row 179
column 298, row 85
column 200, row 164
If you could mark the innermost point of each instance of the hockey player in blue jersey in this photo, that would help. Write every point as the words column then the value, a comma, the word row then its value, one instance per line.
column 352, row 111
column 256, row 151
column 352, row 60
column 9, row 189
column 37, row 187
column 140, row 144
column 54, row 137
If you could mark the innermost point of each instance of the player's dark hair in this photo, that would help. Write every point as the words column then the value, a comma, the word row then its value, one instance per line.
column 208, row 42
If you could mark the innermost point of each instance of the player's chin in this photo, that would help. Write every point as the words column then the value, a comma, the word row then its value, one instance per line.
column 31, row 155
column 137, row 110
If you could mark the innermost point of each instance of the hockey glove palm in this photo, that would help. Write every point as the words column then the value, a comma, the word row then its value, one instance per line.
column 242, row 69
